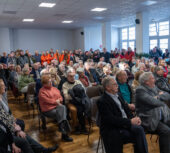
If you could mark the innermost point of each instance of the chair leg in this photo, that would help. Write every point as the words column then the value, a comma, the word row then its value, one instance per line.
column 157, row 139
column 39, row 122
column 102, row 145
column 98, row 144
column 90, row 126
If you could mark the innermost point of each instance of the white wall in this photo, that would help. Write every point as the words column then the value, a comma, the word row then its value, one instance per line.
column 4, row 40
column 93, row 37
column 79, row 39
column 35, row 39
column 114, row 38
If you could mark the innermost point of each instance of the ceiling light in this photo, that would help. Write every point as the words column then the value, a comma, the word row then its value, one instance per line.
column 47, row 5
column 67, row 21
column 99, row 9
column 28, row 20
column 148, row 3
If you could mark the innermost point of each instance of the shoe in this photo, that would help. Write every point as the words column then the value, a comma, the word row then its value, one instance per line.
column 84, row 131
column 66, row 138
column 51, row 149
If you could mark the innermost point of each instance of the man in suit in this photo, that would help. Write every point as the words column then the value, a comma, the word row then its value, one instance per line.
column 154, row 113
column 117, row 124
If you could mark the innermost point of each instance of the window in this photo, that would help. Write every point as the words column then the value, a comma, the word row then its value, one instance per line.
column 132, row 45
column 124, row 34
column 164, row 28
column 159, row 35
column 128, row 37
column 132, row 33
column 153, row 43
column 124, row 45
column 153, row 29
column 163, row 44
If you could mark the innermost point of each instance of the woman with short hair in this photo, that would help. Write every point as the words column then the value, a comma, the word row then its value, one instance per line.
column 51, row 106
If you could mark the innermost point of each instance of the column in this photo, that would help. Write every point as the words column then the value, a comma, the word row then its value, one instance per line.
column 106, row 36
column 142, row 33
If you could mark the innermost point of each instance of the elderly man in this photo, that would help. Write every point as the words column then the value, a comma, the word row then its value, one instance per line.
column 161, row 81
column 36, row 71
column 117, row 124
column 154, row 113
column 76, row 110
column 124, row 88
column 12, row 59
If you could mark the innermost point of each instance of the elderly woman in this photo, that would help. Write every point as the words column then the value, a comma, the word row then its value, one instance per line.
column 19, row 140
column 51, row 105
column 163, row 64
column 25, row 80
column 84, row 80
column 152, row 110
column 135, row 84
column 15, row 75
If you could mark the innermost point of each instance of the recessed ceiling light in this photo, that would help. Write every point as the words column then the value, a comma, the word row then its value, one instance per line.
column 47, row 5
column 148, row 3
column 99, row 9
column 67, row 21
column 28, row 20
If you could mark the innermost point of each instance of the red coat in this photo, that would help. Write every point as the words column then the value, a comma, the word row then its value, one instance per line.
column 129, row 55
column 165, row 71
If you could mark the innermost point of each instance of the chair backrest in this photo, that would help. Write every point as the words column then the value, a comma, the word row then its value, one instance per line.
column 31, row 89
column 94, row 91
column 94, row 108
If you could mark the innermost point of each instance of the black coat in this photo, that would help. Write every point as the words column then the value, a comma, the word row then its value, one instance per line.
column 6, row 138
column 106, row 56
column 111, row 122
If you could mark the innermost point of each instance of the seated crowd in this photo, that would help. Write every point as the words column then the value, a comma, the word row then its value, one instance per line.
column 135, row 98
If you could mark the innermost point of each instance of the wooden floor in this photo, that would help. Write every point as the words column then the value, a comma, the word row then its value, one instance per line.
column 52, row 136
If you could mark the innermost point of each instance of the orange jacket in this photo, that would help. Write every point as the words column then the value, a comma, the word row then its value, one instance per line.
column 48, row 58
column 68, row 59
column 43, row 59
column 56, row 56
column 61, row 58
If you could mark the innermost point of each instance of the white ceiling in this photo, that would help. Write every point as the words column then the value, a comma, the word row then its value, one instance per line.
column 120, row 12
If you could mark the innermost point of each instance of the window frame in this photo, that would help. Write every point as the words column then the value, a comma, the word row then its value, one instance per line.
column 127, row 40
column 158, row 37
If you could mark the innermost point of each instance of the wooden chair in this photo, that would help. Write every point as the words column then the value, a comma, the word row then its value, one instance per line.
column 94, row 93
column 31, row 97
column 16, row 93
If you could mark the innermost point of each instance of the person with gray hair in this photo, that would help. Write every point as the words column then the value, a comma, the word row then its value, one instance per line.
column 117, row 123
column 161, row 81
column 151, row 108
column 99, row 70
column 75, row 113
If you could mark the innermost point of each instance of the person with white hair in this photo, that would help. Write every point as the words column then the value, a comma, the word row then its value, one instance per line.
column 75, row 113
column 99, row 70
column 152, row 110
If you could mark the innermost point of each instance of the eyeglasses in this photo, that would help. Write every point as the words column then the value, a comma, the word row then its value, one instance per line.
column 114, row 84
